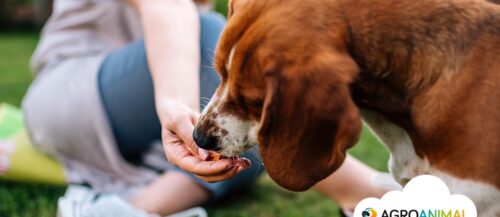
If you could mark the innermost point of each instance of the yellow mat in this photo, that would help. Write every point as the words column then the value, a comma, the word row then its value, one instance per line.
column 19, row 160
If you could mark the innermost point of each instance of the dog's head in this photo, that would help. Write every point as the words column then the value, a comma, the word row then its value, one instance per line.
column 285, row 87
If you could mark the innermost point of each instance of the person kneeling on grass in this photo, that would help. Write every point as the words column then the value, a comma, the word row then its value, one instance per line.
column 112, row 78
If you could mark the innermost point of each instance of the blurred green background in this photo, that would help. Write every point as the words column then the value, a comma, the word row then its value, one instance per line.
column 265, row 198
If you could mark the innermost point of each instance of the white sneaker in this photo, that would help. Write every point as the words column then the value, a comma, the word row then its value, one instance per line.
column 113, row 206
column 76, row 199
column 193, row 212
column 79, row 201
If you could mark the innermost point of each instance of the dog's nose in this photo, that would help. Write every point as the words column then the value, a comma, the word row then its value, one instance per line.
column 204, row 141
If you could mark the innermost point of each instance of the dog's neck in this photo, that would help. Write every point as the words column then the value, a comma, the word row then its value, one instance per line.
column 392, row 45
column 403, row 52
column 429, row 67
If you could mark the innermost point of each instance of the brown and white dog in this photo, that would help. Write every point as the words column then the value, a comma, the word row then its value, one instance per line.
column 297, row 76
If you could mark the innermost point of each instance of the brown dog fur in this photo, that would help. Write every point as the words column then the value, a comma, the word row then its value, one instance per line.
column 430, row 66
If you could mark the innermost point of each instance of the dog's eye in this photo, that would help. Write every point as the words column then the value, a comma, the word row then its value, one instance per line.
column 253, row 103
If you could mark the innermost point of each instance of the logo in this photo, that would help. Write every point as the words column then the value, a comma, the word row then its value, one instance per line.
column 423, row 196
column 369, row 212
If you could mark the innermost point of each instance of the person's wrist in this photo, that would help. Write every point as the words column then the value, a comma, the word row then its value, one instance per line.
column 168, row 107
column 164, row 107
column 180, row 101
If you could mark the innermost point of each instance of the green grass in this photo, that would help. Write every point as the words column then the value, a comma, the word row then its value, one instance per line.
column 15, row 77
column 263, row 200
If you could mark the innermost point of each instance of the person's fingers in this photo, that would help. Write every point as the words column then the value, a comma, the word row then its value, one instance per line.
column 240, row 169
column 183, row 127
column 170, row 138
column 181, row 150
column 182, row 132
column 208, row 168
column 195, row 117
column 241, row 164
column 221, row 177
column 180, row 156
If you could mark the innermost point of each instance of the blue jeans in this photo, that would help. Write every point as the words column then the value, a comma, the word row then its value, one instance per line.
column 127, row 91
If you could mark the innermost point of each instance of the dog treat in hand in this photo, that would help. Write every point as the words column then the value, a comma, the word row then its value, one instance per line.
column 240, row 161
column 214, row 156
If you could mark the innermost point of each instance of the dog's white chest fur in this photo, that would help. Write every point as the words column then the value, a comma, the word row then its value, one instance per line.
column 405, row 164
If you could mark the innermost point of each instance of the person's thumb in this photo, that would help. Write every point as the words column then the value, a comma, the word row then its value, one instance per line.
column 184, row 130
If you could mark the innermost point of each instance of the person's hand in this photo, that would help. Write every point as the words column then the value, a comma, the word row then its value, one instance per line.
column 178, row 122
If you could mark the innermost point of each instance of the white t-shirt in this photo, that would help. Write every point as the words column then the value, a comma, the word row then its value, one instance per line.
column 79, row 28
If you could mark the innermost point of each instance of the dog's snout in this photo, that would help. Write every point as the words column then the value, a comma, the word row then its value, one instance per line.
column 204, row 141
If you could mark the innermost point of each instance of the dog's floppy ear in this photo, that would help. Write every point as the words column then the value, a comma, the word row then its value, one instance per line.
column 308, row 120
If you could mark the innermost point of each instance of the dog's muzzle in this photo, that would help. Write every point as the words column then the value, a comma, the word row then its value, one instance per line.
column 205, row 141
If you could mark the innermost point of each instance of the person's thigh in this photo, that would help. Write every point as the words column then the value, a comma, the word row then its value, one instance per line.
column 60, row 109
column 127, row 93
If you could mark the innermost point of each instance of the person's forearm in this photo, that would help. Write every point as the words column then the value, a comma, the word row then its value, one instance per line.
column 171, row 33
column 346, row 188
